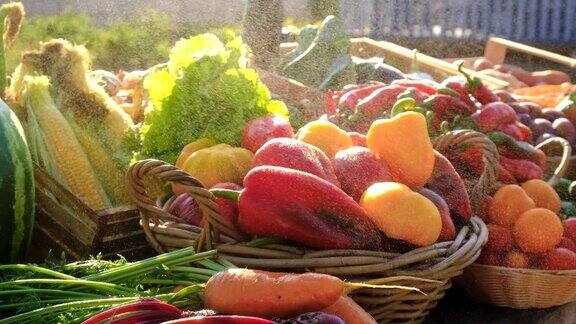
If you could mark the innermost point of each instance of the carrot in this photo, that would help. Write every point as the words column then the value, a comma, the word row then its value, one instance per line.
column 274, row 294
column 268, row 294
column 347, row 309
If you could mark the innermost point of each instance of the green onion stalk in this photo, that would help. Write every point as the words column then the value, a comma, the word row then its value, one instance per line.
column 32, row 292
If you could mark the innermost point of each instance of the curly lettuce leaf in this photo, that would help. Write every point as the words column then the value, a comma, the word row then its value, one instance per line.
column 205, row 91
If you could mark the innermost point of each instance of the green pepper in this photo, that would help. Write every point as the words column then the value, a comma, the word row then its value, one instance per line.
column 517, row 149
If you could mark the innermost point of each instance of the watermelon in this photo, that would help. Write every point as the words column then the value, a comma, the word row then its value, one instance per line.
column 16, row 189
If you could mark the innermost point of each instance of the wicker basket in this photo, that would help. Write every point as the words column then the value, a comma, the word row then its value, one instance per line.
column 523, row 288
column 440, row 262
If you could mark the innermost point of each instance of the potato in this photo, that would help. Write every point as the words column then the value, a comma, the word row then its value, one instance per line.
column 552, row 114
column 482, row 64
column 525, row 119
column 505, row 96
column 519, row 108
column 565, row 129
column 534, row 109
column 544, row 137
column 541, row 126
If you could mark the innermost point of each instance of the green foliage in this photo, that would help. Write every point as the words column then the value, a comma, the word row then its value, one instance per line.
column 139, row 42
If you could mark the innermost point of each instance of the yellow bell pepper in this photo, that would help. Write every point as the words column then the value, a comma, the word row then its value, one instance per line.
column 198, row 144
column 219, row 163
column 402, row 214
column 326, row 136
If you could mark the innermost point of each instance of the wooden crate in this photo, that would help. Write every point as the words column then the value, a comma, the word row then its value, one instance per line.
column 65, row 224
column 403, row 58
column 312, row 101
column 497, row 48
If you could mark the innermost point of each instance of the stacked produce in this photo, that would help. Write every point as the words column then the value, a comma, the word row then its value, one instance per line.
column 380, row 196
column 156, row 289
column 457, row 103
column 519, row 77
column 205, row 91
column 81, row 137
column 525, row 230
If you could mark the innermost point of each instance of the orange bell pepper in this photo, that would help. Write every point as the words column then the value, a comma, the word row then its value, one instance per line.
column 402, row 142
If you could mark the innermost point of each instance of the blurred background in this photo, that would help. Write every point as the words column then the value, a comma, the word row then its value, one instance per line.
column 133, row 34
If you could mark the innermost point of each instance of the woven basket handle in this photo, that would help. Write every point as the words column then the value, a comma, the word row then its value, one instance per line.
column 488, row 180
column 142, row 173
column 564, row 161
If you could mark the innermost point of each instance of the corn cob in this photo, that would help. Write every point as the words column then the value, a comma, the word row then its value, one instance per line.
column 75, row 169
column 108, row 171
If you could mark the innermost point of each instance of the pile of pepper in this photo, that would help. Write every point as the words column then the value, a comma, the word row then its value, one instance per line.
column 456, row 103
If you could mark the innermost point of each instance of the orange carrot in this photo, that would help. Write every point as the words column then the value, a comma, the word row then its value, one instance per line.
column 269, row 294
column 347, row 309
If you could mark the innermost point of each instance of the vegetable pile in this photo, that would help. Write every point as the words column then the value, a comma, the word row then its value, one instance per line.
column 77, row 134
column 204, row 91
column 156, row 289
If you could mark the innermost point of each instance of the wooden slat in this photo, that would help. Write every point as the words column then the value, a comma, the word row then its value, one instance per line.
column 496, row 42
column 428, row 64
column 48, row 234
column 75, row 225
column 47, row 183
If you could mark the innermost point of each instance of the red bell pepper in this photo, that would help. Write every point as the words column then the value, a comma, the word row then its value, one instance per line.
column 445, row 107
column 381, row 100
column 350, row 98
column 330, row 102
column 493, row 115
column 478, row 90
column 459, row 85
column 505, row 176
column 446, row 182
column 421, row 85
column 304, row 208
column 522, row 170
column 469, row 162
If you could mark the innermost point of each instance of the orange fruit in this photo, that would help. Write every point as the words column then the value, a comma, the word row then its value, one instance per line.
column 516, row 259
column 508, row 204
column 543, row 194
column 538, row 230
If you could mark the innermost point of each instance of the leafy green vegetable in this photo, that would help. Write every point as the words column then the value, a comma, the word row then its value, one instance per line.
column 205, row 91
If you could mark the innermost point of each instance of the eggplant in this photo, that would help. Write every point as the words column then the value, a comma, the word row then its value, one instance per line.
column 519, row 108
column 565, row 129
column 544, row 137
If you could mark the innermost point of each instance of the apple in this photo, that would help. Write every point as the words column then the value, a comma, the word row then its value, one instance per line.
column 560, row 259
column 260, row 130
column 357, row 168
column 570, row 229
